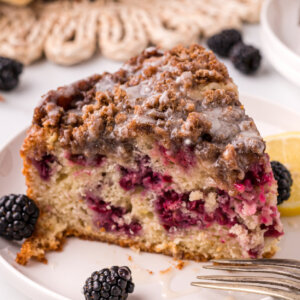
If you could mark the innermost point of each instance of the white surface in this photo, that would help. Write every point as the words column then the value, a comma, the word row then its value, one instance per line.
column 16, row 111
column 280, row 36
column 62, row 278
column 283, row 18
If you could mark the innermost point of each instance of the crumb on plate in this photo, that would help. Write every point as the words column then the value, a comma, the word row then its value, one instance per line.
column 166, row 270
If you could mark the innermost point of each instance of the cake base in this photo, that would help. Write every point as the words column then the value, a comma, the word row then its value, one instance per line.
column 32, row 248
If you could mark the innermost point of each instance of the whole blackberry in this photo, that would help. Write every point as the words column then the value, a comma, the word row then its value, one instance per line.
column 10, row 70
column 112, row 284
column 245, row 58
column 284, row 181
column 222, row 42
column 18, row 215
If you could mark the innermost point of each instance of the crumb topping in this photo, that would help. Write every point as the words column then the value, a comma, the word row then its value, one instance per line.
column 179, row 97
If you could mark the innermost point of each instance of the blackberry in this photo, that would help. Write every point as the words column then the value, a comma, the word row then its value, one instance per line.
column 222, row 42
column 18, row 215
column 112, row 284
column 284, row 181
column 245, row 58
column 10, row 70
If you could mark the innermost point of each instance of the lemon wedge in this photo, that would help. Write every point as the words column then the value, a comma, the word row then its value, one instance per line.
column 285, row 148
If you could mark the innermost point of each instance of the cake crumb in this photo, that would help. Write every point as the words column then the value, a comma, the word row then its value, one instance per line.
column 150, row 272
column 130, row 258
column 135, row 249
column 166, row 270
column 1, row 98
column 211, row 202
column 179, row 264
column 196, row 195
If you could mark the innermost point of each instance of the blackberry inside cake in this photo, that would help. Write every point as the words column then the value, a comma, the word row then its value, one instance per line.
column 159, row 156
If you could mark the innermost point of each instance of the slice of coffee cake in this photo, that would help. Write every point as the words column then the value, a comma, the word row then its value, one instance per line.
column 159, row 156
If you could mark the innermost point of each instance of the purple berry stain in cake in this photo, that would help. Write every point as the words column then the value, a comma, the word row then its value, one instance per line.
column 81, row 160
column 176, row 211
column 183, row 157
column 43, row 166
column 143, row 176
column 252, row 192
column 111, row 217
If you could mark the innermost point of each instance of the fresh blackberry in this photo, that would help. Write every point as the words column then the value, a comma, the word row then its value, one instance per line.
column 245, row 58
column 284, row 181
column 112, row 284
column 10, row 70
column 222, row 42
column 18, row 215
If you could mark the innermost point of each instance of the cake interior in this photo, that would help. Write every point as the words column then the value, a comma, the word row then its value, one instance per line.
column 165, row 204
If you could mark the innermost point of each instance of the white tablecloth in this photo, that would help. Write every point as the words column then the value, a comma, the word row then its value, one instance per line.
column 17, row 109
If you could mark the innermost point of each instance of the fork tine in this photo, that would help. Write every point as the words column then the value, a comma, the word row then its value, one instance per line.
column 291, row 263
column 258, row 281
column 243, row 287
column 257, row 269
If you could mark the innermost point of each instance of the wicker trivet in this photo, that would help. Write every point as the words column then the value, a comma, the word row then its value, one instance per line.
column 69, row 32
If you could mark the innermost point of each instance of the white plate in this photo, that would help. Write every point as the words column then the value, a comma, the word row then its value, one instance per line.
column 66, row 271
column 280, row 32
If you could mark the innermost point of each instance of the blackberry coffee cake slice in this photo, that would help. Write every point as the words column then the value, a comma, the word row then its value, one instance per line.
column 159, row 156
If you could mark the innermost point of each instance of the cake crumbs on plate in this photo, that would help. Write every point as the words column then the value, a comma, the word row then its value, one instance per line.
column 165, row 271
column 179, row 264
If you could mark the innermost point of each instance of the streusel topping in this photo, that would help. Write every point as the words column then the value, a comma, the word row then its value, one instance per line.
column 179, row 97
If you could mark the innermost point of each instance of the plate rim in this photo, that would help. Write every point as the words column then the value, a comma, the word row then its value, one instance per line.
column 270, row 32
column 23, row 283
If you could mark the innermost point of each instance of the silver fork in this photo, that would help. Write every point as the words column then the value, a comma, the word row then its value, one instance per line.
column 278, row 287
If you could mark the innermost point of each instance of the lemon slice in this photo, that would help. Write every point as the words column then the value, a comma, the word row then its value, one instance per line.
column 17, row 2
column 285, row 148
